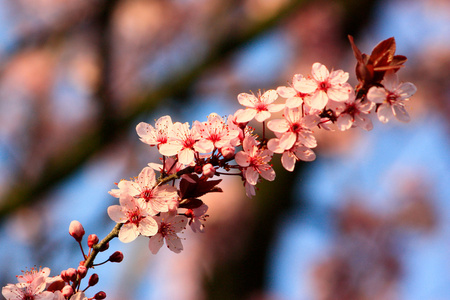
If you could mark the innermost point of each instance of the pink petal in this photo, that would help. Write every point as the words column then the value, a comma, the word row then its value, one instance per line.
column 242, row 159
column 319, row 72
column 287, row 140
column 294, row 102
column 262, row 116
column 384, row 113
column 248, row 100
column 338, row 77
column 116, row 213
column 147, row 177
column 286, row 92
column 278, row 125
column 288, row 161
column 400, row 113
column 245, row 115
column 319, row 100
column 170, row 148
column 268, row 174
column 339, row 94
column 186, row 156
column 251, row 175
column 363, row 122
column 128, row 233
column 306, row 85
column 148, row 227
column 408, row 89
column 155, row 243
column 377, row 94
column 305, row 154
column 174, row 243
column 269, row 96
column 274, row 146
column 344, row 122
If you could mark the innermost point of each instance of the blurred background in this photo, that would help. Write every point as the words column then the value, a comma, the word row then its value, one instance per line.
column 369, row 219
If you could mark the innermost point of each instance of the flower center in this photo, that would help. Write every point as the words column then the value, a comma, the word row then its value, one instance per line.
column 261, row 106
column 391, row 98
column 147, row 194
column 324, row 85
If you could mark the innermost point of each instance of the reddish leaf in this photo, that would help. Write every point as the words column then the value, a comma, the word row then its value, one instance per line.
column 191, row 186
column 191, row 203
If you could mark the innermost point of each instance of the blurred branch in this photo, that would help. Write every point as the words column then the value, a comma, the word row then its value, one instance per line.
column 113, row 127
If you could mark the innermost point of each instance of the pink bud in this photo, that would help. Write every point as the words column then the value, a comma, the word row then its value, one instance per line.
column 208, row 170
column 76, row 230
column 116, row 257
column 67, row 291
column 92, row 240
column 100, row 295
column 82, row 271
column 71, row 274
column 93, row 279
column 227, row 152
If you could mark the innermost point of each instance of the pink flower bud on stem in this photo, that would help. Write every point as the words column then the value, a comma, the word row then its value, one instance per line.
column 227, row 152
column 116, row 257
column 93, row 279
column 67, row 291
column 76, row 230
column 82, row 271
column 208, row 170
column 100, row 295
column 92, row 240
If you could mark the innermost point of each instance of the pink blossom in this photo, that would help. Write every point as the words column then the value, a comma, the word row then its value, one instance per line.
column 324, row 85
column 391, row 98
column 135, row 218
column 181, row 142
column 26, row 291
column 152, row 197
column 290, row 156
column 197, row 215
column 293, row 126
column 294, row 97
column 254, row 161
column 171, row 166
column 155, row 135
column 169, row 225
column 354, row 113
column 76, row 230
column 214, row 133
column 29, row 276
column 259, row 107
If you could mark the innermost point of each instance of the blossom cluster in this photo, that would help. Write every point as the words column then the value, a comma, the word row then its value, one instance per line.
column 194, row 156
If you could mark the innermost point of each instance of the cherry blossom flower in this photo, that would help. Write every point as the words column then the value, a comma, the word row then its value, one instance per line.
column 152, row 197
column 155, row 135
column 254, row 161
column 214, row 133
column 135, row 218
column 290, row 156
column 171, row 166
column 259, row 107
column 293, row 126
column 181, row 142
column 354, row 113
column 324, row 85
column 391, row 98
column 27, row 291
column 294, row 98
column 196, row 215
column 29, row 276
column 169, row 225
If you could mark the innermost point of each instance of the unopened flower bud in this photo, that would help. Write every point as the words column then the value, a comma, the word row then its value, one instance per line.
column 104, row 247
column 227, row 152
column 208, row 170
column 76, row 230
column 92, row 240
column 67, row 291
column 82, row 271
column 93, row 279
column 100, row 295
column 116, row 257
column 71, row 274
